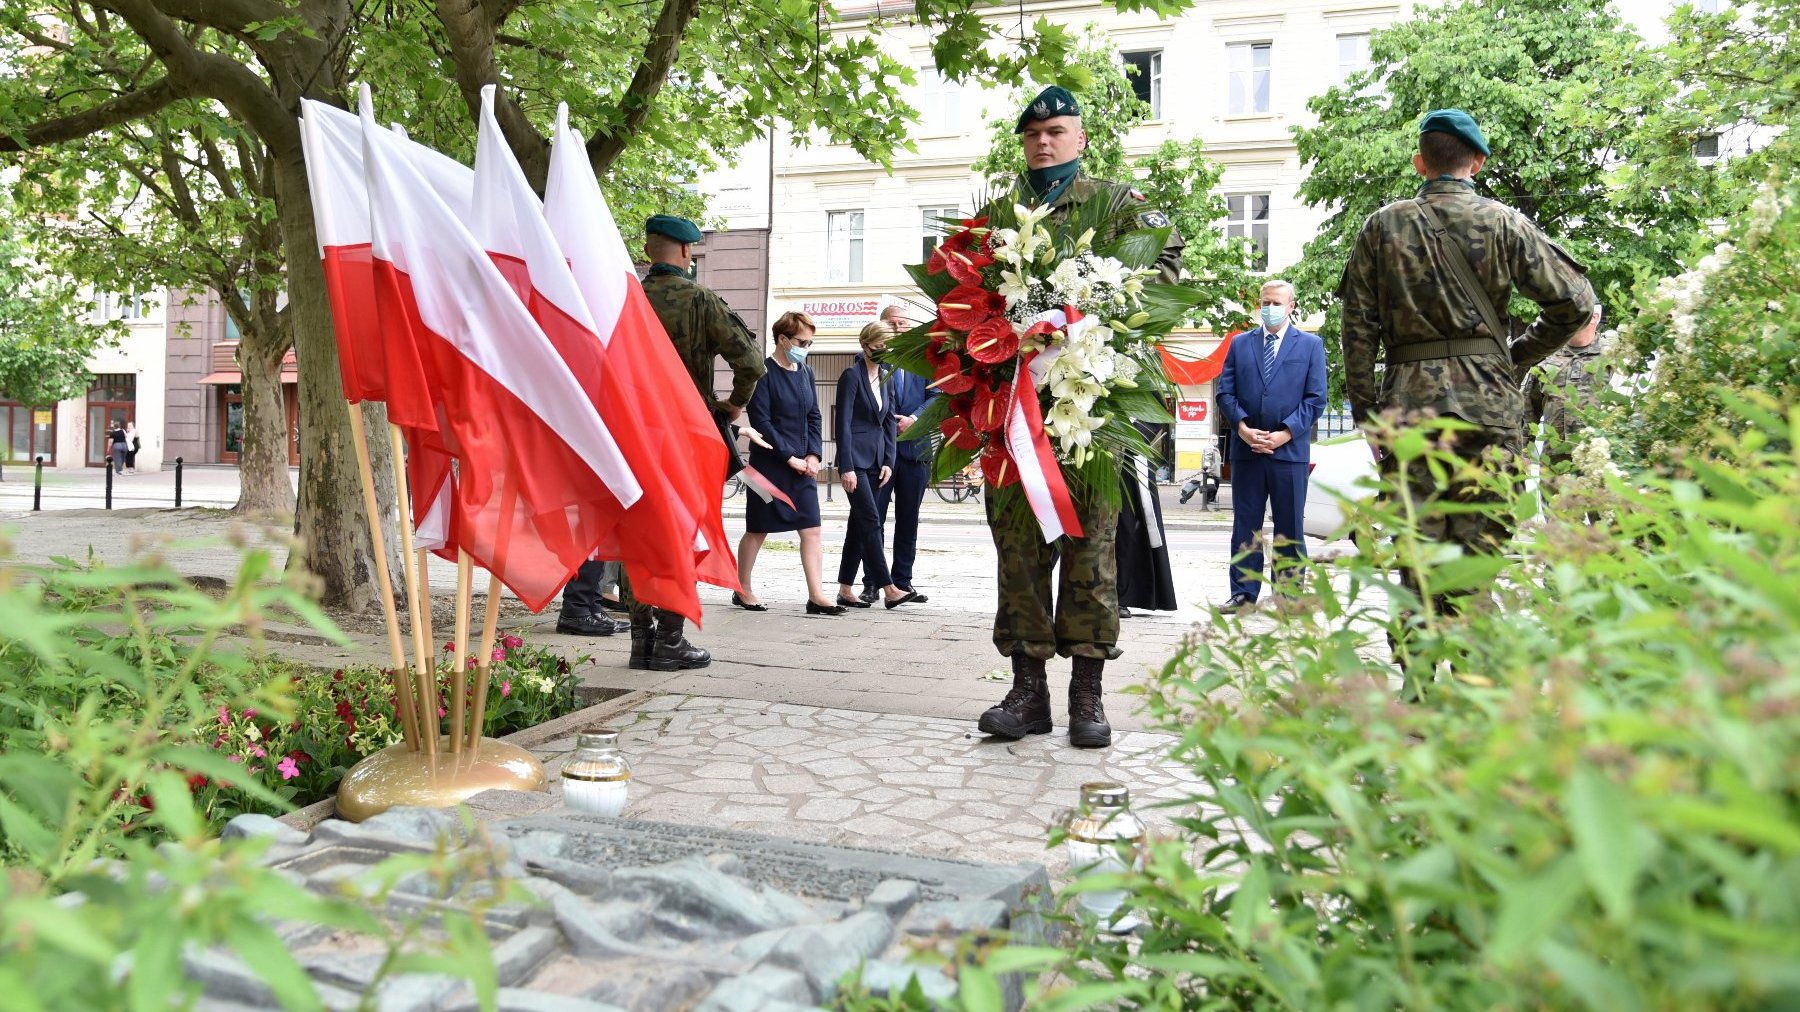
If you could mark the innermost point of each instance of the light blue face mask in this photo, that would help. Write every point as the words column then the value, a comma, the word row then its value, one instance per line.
column 797, row 354
column 1273, row 317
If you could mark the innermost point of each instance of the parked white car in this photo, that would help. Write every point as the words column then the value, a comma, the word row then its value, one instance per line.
column 1339, row 465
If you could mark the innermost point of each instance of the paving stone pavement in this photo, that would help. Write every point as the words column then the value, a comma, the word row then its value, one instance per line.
column 928, row 786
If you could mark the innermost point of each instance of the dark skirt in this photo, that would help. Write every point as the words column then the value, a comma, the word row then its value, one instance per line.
column 773, row 516
column 1145, row 579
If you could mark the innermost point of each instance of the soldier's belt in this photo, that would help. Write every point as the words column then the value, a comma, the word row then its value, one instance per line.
column 1467, row 347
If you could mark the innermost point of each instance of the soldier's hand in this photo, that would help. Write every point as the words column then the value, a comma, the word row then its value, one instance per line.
column 732, row 411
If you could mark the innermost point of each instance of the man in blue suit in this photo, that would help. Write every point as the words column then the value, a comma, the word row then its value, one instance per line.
column 1271, row 391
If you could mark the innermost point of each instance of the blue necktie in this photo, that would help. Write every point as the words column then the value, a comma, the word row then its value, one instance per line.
column 1268, row 361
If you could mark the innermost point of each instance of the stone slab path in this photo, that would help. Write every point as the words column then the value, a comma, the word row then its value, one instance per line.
column 927, row 786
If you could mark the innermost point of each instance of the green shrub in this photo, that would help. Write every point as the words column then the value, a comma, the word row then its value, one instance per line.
column 109, row 870
column 1598, row 807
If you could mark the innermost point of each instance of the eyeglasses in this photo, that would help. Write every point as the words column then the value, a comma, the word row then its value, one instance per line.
column 802, row 344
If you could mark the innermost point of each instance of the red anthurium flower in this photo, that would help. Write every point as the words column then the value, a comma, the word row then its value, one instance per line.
column 958, row 434
column 993, row 341
column 989, row 411
column 950, row 379
column 966, row 266
column 967, row 305
column 997, row 465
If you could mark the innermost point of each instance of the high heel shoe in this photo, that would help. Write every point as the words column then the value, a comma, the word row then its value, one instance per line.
column 815, row 608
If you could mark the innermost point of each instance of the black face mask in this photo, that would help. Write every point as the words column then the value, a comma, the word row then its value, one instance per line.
column 875, row 354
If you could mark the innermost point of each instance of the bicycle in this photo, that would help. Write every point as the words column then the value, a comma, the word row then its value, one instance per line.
column 961, row 486
column 733, row 485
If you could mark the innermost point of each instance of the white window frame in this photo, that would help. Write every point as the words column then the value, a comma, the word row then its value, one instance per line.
column 1152, row 75
column 940, row 104
column 1344, row 69
column 931, row 226
column 1241, row 222
column 844, row 238
column 1242, row 73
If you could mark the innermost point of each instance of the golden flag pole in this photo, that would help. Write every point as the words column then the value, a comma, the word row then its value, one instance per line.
column 459, row 673
column 484, row 660
column 402, row 682
column 427, row 683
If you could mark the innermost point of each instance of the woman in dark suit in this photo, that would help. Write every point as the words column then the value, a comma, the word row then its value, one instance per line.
column 866, row 440
column 785, row 410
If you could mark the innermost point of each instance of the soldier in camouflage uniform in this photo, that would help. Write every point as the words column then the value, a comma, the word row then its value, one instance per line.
column 1403, row 304
column 702, row 327
column 1082, row 622
column 1560, row 391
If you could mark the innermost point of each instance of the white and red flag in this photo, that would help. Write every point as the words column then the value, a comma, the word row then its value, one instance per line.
column 655, row 542
column 1040, row 474
column 644, row 377
column 530, row 504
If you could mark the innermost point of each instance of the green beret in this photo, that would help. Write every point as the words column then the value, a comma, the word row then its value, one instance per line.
column 1052, row 102
column 678, row 229
column 1457, row 124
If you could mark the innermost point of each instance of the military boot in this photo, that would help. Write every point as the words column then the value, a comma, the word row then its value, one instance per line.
column 643, row 632
column 1026, row 709
column 1087, row 716
column 670, row 650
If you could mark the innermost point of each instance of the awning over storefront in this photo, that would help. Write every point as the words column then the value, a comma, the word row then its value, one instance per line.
column 225, row 367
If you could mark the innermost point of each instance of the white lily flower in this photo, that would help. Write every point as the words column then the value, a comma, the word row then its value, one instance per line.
column 1014, row 286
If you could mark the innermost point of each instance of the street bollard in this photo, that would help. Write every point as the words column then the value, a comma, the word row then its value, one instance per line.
column 828, row 482
column 37, row 488
column 109, row 478
column 177, row 482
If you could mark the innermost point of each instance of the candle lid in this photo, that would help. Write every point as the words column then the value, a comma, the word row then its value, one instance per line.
column 1104, row 794
column 599, row 737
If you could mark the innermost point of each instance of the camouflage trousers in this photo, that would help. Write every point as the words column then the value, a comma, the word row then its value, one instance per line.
column 1479, row 531
column 643, row 615
column 1083, row 619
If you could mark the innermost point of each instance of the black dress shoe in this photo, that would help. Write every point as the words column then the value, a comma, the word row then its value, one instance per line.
column 587, row 625
column 738, row 600
column 1237, row 603
column 910, row 597
column 850, row 602
column 1124, row 612
column 815, row 608
column 869, row 593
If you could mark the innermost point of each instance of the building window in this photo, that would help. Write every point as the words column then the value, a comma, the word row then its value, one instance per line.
column 940, row 103
column 1352, row 55
column 1249, row 219
column 1706, row 148
column 932, row 226
column 117, row 306
column 1147, row 81
column 31, row 432
column 844, row 246
column 1249, row 63
column 111, row 402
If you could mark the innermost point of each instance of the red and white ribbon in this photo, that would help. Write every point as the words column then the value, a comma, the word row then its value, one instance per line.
column 1040, row 474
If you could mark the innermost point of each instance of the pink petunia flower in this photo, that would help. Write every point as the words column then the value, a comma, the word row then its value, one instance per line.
column 257, row 751
column 511, row 642
column 236, row 758
column 506, row 688
column 288, row 767
column 499, row 654
column 224, row 716
column 249, row 714
column 449, row 644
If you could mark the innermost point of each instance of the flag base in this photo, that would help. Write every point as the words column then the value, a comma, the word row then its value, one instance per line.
column 398, row 775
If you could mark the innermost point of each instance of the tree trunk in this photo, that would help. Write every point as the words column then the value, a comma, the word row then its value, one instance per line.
column 330, row 522
column 263, row 486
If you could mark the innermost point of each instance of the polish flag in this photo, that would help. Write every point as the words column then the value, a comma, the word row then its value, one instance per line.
column 531, row 504
column 644, row 377
column 367, row 350
column 656, row 541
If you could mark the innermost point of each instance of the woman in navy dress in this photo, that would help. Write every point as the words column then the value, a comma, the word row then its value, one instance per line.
column 785, row 410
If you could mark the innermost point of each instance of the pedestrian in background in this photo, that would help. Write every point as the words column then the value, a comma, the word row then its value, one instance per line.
column 115, row 444
column 785, row 410
column 1422, row 292
column 1271, row 391
column 132, row 443
column 912, row 472
column 865, row 461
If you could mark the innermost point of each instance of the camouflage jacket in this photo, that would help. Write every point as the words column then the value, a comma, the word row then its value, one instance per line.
column 702, row 326
column 1085, row 188
column 1565, row 385
column 1397, row 290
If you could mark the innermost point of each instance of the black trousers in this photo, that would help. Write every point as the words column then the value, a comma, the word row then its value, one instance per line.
column 581, row 596
column 863, row 547
column 906, row 491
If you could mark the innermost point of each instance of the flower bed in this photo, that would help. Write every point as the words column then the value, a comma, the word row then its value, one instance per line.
column 337, row 719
